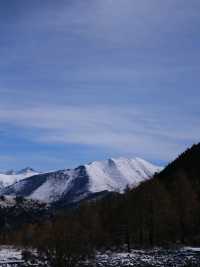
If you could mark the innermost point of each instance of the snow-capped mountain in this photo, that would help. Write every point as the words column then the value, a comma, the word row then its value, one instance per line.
column 73, row 185
column 10, row 177
column 27, row 171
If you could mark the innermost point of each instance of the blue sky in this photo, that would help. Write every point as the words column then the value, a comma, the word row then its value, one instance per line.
column 84, row 80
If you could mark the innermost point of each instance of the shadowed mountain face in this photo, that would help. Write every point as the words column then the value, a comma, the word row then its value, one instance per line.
column 74, row 185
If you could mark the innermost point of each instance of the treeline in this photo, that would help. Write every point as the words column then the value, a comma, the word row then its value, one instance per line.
column 15, row 212
column 146, row 216
column 163, row 211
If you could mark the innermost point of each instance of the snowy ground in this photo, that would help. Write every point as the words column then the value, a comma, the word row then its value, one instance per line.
column 137, row 258
column 155, row 257
column 9, row 253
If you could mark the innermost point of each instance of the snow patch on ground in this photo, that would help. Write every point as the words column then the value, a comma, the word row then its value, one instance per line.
column 159, row 257
column 197, row 249
column 9, row 253
column 153, row 257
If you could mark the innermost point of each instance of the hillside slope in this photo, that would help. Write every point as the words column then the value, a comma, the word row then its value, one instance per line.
column 11, row 177
column 73, row 185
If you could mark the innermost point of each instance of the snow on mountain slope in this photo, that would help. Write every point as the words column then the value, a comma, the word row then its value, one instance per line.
column 11, row 177
column 116, row 174
column 55, row 186
column 72, row 185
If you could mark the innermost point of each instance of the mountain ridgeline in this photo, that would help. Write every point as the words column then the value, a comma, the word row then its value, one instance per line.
column 10, row 177
column 186, row 167
column 86, row 181
column 167, row 207
column 164, row 210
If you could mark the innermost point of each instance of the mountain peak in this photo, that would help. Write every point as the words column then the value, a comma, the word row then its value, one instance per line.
column 26, row 170
column 10, row 177
column 115, row 174
column 73, row 185
column 10, row 172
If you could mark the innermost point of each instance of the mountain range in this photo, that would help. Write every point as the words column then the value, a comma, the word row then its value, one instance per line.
column 160, row 209
column 73, row 185
column 10, row 177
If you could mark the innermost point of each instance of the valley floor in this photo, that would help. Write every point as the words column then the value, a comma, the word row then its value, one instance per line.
column 10, row 255
column 187, row 256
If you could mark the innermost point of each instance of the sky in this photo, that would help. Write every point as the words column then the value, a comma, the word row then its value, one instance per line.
column 85, row 80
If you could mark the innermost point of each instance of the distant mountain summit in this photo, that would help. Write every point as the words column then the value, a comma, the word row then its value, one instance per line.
column 10, row 172
column 10, row 177
column 73, row 185
column 27, row 170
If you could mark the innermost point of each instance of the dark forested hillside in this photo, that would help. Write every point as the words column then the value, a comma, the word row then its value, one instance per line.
column 162, row 211
column 167, row 208
column 187, row 165
column 15, row 212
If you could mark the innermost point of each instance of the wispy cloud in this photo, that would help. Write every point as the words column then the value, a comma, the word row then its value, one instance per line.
column 124, row 129
column 117, row 75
